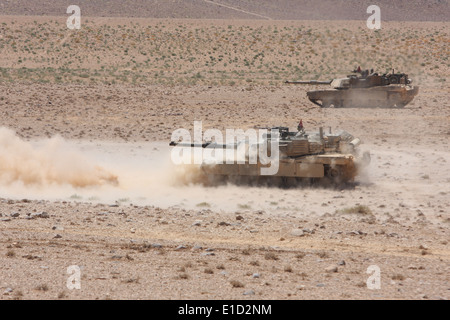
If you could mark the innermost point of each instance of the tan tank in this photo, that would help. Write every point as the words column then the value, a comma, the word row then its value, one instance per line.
column 303, row 156
column 366, row 90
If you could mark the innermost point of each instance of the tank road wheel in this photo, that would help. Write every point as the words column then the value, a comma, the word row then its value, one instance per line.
column 215, row 180
column 233, row 179
column 288, row 182
column 253, row 181
column 337, row 103
column 334, row 175
column 326, row 104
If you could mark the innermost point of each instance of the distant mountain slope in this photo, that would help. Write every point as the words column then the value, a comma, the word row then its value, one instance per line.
column 402, row 10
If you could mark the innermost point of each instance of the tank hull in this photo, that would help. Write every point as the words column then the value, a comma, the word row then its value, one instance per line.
column 337, row 167
column 392, row 96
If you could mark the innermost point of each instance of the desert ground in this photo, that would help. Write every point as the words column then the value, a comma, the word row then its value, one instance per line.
column 86, row 177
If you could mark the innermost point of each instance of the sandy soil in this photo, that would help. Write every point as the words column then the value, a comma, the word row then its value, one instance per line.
column 137, row 232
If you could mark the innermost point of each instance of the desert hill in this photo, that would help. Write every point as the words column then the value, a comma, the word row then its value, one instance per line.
column 400, row 10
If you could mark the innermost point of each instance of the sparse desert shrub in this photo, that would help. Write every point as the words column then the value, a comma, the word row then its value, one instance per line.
column 203, row 205
column 236, row 284
column 183, row 276
column 10, row 254
column 398, row 277
column 254, row 263
column 208, row 271
column 300, row 255
column 287, row 269
column 42, row 287
column 270, row 256
column 358, row 209
column 323, row 255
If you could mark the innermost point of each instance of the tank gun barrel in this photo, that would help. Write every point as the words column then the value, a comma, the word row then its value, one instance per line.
column 201, row 145
column 308, row 82
column 189, row 145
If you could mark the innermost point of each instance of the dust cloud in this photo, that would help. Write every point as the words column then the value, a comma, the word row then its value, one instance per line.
column 54, row 162
column 99, row 172
column 143, row 174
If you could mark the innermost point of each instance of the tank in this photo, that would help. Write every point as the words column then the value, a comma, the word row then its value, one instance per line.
column 302, row 156
column 364, row 89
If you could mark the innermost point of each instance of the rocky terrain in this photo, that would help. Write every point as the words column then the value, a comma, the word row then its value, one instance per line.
column 86, row 178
